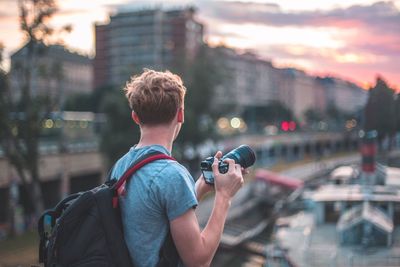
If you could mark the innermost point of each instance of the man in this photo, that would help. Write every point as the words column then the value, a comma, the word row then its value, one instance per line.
column 162, row 195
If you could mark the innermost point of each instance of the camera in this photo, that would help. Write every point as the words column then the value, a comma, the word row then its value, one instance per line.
column 242, row 155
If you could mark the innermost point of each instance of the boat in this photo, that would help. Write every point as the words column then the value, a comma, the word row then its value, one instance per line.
column 351, row 219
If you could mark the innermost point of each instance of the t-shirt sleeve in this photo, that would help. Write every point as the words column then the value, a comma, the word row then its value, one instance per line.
column 177, row 191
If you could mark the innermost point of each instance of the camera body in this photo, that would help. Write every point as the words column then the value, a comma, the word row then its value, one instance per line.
column 242, row 155
column 206, row 169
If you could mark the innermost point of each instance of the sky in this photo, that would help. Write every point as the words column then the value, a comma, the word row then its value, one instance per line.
column 353, row 39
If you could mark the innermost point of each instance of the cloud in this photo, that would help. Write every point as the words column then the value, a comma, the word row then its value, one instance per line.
column 381, row 14
column 380, row 20
column 352, row 40
column 350, row 64
column 8, row 10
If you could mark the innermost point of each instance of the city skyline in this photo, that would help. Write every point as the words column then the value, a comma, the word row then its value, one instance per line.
column 355, row 41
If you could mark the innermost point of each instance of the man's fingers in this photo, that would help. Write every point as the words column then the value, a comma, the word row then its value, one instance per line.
column 214, row 166
column 238, row 168
column 218, row 155
column 231, row 164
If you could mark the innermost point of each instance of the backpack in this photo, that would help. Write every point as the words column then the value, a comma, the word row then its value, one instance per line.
column 85, row 229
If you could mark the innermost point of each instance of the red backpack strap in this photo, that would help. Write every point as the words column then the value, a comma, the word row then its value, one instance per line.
column 119, row 186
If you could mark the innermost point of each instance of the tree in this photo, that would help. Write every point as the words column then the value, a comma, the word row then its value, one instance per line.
column 22, row 111
column 333, row 113
column 120, row 132
column 397, row 113
column 201, row 78
column 380, row 110
column 273, row 113
column 313, row 115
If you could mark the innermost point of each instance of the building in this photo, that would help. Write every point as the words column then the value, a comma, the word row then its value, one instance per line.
column 247, row 80
column 346, row 96
column 56, row 71
column 154, row 38
column 285, row 79
column 298, row 91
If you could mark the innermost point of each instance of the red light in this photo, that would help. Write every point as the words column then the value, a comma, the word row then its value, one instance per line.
column 285, row 126
column 292, row 126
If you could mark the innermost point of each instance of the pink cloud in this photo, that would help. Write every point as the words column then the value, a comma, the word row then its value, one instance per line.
column 369, row 33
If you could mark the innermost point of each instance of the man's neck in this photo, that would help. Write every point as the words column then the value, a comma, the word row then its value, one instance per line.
column 156, row 135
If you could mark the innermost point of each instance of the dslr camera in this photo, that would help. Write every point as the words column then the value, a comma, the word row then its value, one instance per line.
column 242, row 155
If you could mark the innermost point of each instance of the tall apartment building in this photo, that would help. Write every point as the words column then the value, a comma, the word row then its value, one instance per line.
column 56, row 71
column 156, row 39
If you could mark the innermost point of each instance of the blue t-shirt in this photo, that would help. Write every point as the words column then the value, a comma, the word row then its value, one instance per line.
column 158, row 193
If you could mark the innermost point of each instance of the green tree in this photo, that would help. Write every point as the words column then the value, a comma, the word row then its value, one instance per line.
column 120, row 132
column 201, row 78
column 273, row 113
column 313, row 116
column 22, row 112
column 79, row 102
column 88, row 101
column 397, row 113
column 380, row 110
column 333, row 113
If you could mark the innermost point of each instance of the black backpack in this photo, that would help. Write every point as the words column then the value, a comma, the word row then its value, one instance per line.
column 85, row 229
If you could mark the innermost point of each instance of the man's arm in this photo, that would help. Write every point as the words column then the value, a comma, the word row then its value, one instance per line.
column 202, row 188
column 195, row 247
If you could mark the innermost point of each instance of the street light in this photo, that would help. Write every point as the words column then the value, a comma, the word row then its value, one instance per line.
column 235, row 123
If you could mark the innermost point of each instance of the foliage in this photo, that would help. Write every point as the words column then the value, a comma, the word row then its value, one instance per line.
column 201, row 78
column 397, row 112
column 120, row 132
column 87, row 101
column 22, row 110
column 333, row 113
column 380, row 110
column 313, row 115
column 79, row 102
column 273, row 113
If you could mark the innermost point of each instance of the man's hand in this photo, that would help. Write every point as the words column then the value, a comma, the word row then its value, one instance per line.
column 195, row 247
column 202, row 187
column 227, row 184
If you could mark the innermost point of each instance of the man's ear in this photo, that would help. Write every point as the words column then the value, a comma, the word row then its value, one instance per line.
column 181, row 115
column 135, row 118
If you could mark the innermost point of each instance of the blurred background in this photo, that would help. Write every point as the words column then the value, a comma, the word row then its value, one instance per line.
column 311, row 87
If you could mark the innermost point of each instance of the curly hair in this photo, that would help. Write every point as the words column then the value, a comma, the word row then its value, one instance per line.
column 155, row 96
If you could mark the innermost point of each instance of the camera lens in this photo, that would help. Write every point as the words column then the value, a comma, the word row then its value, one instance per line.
column 243, row 155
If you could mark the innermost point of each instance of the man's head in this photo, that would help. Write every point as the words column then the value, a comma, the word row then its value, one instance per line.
column 156, row 97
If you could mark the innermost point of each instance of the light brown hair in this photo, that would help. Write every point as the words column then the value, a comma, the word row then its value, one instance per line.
column 155, row 96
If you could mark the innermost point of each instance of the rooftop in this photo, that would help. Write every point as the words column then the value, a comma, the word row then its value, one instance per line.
column 314, row 246
column 365, row 212
column 333, row 193
column 57, row 52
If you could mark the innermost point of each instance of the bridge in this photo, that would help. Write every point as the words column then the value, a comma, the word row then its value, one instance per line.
column 77, row 164
column 296, row 146
column 78, row 168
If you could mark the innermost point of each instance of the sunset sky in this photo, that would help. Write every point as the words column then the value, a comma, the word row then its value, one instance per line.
column 352, row 39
